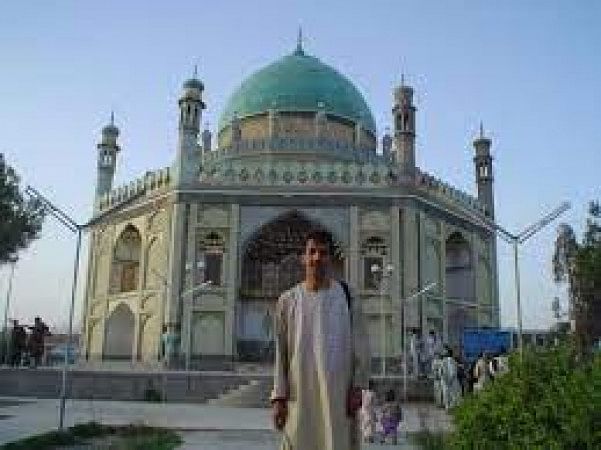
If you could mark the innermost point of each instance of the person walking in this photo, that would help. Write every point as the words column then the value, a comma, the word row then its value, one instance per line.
column 39, row 331
column 368, row 414
column 321, row 359
column 18, row 341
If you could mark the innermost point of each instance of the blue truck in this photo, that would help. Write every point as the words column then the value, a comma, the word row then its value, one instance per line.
column 489, row 340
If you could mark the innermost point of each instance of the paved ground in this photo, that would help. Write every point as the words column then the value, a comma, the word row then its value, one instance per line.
column 205, row 427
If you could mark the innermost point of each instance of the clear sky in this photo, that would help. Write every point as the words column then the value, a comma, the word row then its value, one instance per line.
column 531, row 71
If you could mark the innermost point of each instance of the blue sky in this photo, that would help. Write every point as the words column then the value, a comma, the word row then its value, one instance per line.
column 529, row 70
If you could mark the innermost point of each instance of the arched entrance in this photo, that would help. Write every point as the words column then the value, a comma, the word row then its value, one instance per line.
column 270, row 265
column 119, row 334
column 460, row 293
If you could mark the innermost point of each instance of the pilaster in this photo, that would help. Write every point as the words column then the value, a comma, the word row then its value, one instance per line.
column 410, row 251
column 232, row 280
column 395, row 279
column 443, row 281
column 353, row 273
column 189, row 275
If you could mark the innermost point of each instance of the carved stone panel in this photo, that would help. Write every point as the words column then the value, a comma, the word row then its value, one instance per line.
column 212, row 216
column 375, row 220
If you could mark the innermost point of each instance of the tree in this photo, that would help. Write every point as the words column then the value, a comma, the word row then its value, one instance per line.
column 20, row 219
column 579, row 264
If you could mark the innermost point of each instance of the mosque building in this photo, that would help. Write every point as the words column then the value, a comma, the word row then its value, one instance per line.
column 197, row 253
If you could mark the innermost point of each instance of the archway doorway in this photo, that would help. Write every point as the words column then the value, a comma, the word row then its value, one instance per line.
column 460, row 293
column 271, row 265
column 119, row 334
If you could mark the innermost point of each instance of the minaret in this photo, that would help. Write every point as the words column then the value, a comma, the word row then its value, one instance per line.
column 188, row 155
column 484, row 175
column 320, row 120
column 235, row 127
column 387, row 146
column 206, row 139
column 273, row 120
column 107, row 158
column 404, row 127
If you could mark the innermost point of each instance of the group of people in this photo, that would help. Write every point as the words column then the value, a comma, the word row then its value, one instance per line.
column 380, row 420
column 421, row 352
column 27, row 348
column 453, row 378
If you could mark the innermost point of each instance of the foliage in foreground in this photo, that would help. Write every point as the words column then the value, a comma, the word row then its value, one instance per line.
column 20, row 219
column 132, row 437
column 550, row 401
column 579, row 265
column 428, row 440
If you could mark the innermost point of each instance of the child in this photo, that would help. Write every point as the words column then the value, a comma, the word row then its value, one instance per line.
column 368, row 414
column 391, row 417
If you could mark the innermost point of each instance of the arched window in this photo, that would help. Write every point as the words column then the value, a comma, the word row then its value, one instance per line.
column 459, row 270
column 119, row 334
column 126, row 261
column 211, row 248
column 373, row 253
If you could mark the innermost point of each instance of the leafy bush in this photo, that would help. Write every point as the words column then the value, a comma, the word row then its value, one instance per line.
column 549, row 401
column 133, row 437
column 429, row 440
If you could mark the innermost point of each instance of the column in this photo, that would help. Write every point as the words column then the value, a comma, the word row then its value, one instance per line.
column 475, row 281
column 422, row 268
column 174, row 275
column 137, row 354
column 90, row 280
column 410, row 266
column 232, row 281
column 189, row 282
column 395, row 281
column 353, row 255
column 443, row 281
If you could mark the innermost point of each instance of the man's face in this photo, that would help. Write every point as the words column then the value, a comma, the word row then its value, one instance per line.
column 316, row 259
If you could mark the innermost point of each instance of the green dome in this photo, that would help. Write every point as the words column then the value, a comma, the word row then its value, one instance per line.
column 298, row 82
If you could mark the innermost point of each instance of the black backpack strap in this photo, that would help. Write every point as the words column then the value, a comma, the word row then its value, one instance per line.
column 347, row 294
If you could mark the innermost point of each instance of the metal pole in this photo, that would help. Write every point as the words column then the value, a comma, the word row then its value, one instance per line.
column 383, row 325
column 517, row 297
column 6, row 308
column 63, row 397
column 404, row 352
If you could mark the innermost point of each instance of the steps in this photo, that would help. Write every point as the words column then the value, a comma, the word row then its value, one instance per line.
column 254, row 394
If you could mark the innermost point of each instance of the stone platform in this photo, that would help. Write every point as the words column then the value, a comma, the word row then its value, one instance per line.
column 243, row 388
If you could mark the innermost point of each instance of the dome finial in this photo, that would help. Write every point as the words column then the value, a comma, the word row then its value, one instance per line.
column 481, row 130
column 112, row 118
column 299, row 42
column 195, row 76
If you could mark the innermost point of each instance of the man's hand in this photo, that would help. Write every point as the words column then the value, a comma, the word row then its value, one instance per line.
column 353, row 402
column 280, row 413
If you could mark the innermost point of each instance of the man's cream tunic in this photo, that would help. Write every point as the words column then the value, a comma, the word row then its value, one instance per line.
column 319, row 356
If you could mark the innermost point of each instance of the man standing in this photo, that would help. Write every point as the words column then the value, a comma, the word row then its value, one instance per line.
column 18, row 341
column 39, row 331
column 414, row 345
column 430, row 350
column 321, row 359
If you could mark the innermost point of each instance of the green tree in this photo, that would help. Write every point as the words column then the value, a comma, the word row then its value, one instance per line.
column 20, row 219
column 579, row 264
column 550, row 400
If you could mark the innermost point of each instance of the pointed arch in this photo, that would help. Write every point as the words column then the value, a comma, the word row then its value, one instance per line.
column 271, row 264
column 119, row 334
column 125, row 267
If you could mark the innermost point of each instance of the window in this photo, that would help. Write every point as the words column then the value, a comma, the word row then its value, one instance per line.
column 373, row 251
column 126, row 261
column 371, row 279
column 210, row 253
column 213, row 264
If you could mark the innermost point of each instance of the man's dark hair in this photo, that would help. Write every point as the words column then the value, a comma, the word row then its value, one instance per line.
column 320, row 237
column 390, row 396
